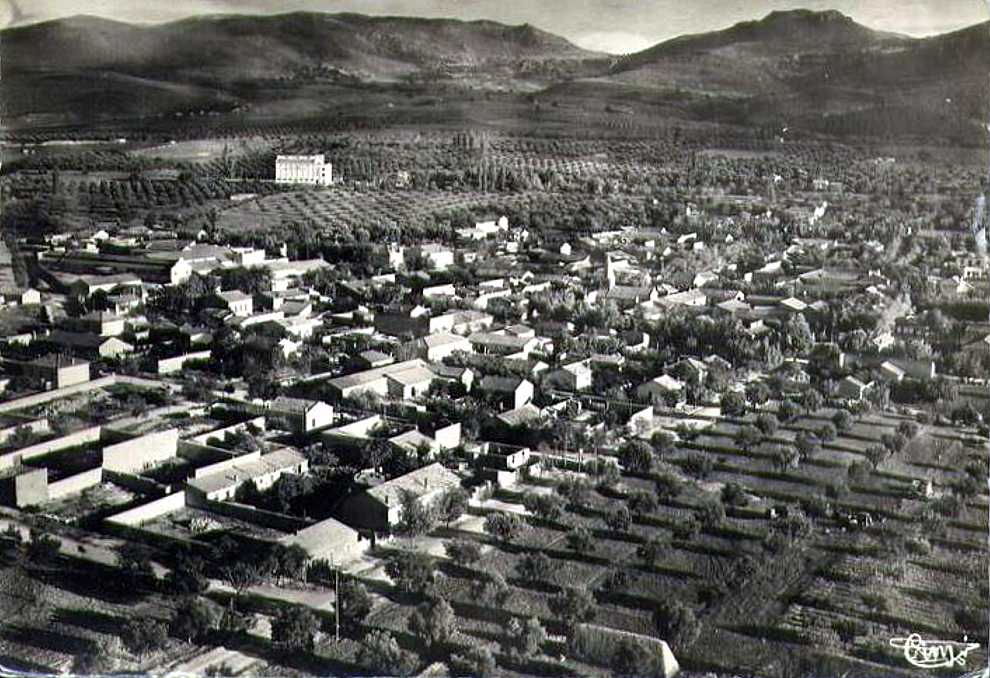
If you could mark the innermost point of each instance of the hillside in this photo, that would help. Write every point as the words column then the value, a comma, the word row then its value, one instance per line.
column 820, row 71
column 204, row 60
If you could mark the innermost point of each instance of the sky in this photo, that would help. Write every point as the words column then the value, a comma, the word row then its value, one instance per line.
column 617, row 26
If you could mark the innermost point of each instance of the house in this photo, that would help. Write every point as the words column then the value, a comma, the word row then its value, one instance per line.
column 436, row 257
column 86, row 285
column 694, row 297
column 520, row 416
column 330, row 540
column 436, row 347
column 104, row 324
column 628, row 296
column 237, row 302
column 299, row 415
column 91, row 345
column 57, row 371
column 891, row 372
column 19, row 297
column 375, row 380
column 852, row 388
column 491, row 343
column 380, row 508
column 575, row 376
column 371, row 359
column 262, row 469
column 410, row 383
column 659, row 389
column 513, row 391
column 691, row 369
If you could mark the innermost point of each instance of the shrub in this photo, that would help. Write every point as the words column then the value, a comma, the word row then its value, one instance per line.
column 381, row 653
column 699, row 466
column 580, row 540
column 618, row 519
column 503, row 526
column 463, row 551
column 475, row 661
column 536, row 567
column 294, row 629
column 144, row 635
column 676, row 623
column 573, row 606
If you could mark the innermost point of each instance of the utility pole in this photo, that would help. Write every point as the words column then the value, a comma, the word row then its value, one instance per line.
column 336, row 599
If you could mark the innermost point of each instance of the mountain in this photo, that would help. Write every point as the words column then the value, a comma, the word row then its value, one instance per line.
column 817, row 71
column 820, row 70
column 202, row 61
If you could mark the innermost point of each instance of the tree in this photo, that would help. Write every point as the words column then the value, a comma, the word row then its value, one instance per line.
column 463, row 552
column 434, row 623
column 652, row 550
column 476, row 661
column 548, row 507
column 676, row 623
column 619, row 519
column 288, row 562
column 411, row 571
column 733, row 404
column 636, row 456
column 698, row 465
column 134, row 560
column 812, row 401
column 843, row 421
column 240, row 576
column 575, row 489
column 875, row 454
column 188, row 576
column 580, row 540
column 668, row 486
column 734, row 495
column 503, row 526
column 100, row 657
column 194, row 619
column 663, row 444
column 687, row 529
column 785, row 457
column 574, row 606
column 416, row 517
column 609, row 474
column 492, row 590
column 711, row 513
column 788, row 411
column 452, row 505
column 42, row 547
column 767, row 423
column 631, row 658
column 381, row 653
column 827, row 432
column 294, row 628
column 524, row 638
column 859, row 472
column 806, row 445
column 748, row 437
column 144, row 635
column 536, row 567
column 353, row 603
column 642, row 503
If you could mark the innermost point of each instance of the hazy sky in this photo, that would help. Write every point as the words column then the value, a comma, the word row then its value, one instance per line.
column 608, row 25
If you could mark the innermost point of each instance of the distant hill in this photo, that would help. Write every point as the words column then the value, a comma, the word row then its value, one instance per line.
column 204, row 60
column 803, row 69
column 823, row 70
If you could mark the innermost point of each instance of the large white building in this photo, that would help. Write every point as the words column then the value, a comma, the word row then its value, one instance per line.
column 303, row 169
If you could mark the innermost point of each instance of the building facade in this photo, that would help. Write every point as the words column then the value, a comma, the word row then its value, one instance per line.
column 303, row 169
